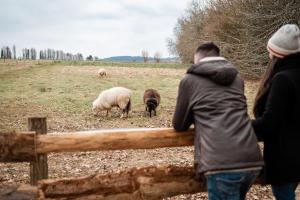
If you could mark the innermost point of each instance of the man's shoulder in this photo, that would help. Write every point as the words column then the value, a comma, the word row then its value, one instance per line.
column 189, row 79
column 186, row 77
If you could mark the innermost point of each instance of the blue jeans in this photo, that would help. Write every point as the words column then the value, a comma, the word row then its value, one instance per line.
column 285, row 192
column 230, row 185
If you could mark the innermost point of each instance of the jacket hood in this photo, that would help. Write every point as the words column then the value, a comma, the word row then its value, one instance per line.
column 217, row 69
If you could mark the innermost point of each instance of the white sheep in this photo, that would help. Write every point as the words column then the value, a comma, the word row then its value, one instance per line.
column 101, row 72
column 113, row 97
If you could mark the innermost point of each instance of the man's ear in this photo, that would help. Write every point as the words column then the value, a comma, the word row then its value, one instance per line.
column 197, row 58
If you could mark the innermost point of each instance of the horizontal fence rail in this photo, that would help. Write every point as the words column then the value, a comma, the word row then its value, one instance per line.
column 114, row 139
column 24, row 146
column 17, row 147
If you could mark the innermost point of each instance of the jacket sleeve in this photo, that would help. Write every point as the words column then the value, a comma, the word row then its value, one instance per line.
column 183, row 116
column 277, row 107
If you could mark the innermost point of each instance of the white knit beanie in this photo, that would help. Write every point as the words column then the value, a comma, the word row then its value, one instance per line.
column 285, row 41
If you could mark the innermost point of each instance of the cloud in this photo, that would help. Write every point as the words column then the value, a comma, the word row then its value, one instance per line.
column 99, row 27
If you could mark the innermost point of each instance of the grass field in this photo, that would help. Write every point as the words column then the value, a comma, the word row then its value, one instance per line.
column 64, row 92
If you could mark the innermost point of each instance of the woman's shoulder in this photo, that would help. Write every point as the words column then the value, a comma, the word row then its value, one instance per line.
column 282, row 79
column 286, row 81
column 292, row 74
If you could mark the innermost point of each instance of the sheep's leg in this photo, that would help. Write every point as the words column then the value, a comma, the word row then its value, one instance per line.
column 108, row 113
column 146, row 108
column 150, row 111
column 122, row 115
column 96, row 113
column 154, row 112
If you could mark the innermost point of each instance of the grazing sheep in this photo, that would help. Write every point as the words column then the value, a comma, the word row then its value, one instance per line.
column 152, row 100
column 113, row 97
column 101, row 72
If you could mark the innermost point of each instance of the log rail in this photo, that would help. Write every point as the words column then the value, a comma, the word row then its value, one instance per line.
column 18, row 147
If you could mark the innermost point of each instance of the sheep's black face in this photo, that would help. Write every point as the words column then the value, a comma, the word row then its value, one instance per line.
column 151, row 105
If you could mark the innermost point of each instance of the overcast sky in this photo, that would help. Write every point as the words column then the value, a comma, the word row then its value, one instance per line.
column 102, row 28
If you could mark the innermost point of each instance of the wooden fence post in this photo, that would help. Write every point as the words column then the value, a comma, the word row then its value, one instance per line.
column 39, row 168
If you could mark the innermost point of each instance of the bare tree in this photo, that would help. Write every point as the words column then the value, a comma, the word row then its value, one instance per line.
column 3, row 54
column 145, row 55
column 14, row 52
column 32, row 54
column 240, row 27
column 157, row 57
column 42, row 57
column 90, row 58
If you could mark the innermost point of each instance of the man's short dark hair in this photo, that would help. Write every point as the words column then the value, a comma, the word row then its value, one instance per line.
column 208, row 49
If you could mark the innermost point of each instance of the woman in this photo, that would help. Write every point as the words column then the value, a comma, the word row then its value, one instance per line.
column 277, row 113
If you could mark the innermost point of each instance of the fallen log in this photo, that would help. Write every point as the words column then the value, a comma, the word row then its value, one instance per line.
column 150, row 183
column 17, row 147
column 24, row 192
column 113, row 139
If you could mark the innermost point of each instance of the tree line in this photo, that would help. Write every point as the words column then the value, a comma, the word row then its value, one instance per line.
column 47, row 54
column 6, row 53
column 146, row 56
column 51, row 54
column 240, row 27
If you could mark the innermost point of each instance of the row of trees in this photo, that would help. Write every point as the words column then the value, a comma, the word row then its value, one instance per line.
column 91, row 58
column 51, row 54
column 29, row 54
column 6, row 53
column 47, row 54
column 240, row 27
column 145, row 55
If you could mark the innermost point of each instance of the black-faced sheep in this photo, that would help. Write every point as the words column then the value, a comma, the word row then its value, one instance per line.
column 151, row 99
column 113, row 97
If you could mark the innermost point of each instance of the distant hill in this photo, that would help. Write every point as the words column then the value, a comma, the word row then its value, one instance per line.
column 136, row 59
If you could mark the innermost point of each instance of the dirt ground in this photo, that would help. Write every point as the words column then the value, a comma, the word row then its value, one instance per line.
column 64, row 94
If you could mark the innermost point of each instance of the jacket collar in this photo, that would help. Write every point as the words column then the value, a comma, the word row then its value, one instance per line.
column 217, row 69
column 287, row 63
column 215, row 58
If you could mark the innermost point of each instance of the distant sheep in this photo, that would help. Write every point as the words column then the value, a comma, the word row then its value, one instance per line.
column 151, row 99
column 113, row 97
column 101, row 72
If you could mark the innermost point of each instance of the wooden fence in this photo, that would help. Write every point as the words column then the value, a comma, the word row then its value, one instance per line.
column 137, row 183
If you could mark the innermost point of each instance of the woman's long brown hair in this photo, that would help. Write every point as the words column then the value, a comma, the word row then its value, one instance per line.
column 264, row 85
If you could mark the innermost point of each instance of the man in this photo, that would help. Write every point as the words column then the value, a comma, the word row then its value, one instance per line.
column 211, row 96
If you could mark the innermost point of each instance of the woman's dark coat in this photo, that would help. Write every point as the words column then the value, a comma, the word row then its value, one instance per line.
column 278, row 122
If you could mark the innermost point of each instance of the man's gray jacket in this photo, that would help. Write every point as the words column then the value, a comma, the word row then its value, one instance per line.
column 211, row 96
